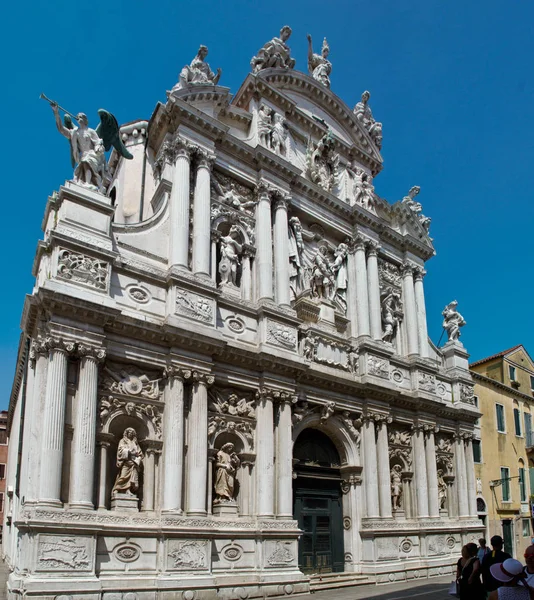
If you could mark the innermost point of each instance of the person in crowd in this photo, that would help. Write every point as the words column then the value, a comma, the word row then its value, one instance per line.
column 495, row 556
column 511, row 580
column 482, row 549
column 468, row 575
column 529, row 569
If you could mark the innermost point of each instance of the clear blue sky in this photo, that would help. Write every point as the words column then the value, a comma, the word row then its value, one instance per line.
column 451, row 81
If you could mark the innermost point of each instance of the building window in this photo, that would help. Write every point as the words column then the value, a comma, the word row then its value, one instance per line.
column 528, row 429
column 3, row 437
column 505, row 484
column 2, row 471
column 500, row 418
column 532, row 383
column 1, row 501
column 511, row 371
column 517, row 421
column 526, row 527
column 522, row 486
column 477, row 451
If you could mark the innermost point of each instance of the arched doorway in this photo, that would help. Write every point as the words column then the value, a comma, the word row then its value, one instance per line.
column 317, row 503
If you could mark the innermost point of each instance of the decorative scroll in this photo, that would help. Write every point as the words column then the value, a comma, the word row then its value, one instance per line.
column 80, row 268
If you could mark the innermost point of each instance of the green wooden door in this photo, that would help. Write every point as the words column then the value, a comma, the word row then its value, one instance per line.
column 507, row 537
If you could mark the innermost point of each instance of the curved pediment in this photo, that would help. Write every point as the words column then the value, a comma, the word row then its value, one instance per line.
column 309, row 105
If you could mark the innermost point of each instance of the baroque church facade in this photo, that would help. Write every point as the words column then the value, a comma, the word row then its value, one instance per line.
column 225, row 382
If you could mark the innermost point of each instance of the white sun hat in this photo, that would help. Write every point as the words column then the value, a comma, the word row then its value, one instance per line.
column 506, row 570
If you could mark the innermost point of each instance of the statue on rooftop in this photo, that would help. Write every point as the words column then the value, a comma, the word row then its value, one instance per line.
column 365, row 116
column 87, row 146
column 274, row 54
column 198, row 72
column 452, row 321
column 417, row 207
column 319, row 66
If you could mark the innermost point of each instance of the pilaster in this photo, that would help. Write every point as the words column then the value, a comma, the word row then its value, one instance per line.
column 179, row 205
column 264, row 241
column 375, row 316
column 201, row 212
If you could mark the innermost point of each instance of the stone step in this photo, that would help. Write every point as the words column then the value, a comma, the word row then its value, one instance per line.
column 336, row 580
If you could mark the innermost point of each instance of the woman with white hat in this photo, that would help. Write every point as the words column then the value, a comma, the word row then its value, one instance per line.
column 510, row 574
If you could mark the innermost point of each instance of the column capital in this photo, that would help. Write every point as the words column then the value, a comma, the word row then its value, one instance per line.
column 407, row 268
column 356, row 243
column 418, row 427
column 205, row 159
column 204, row 378
column 264, row 190
column 39, row 347
column 248, row 251
column 173, row 371
column 280, row 203
column 181, row 148
column 216, row 235
column 104, row 439
column 373, row 247
column 96, row 353
column 430, row 428
column 419, row 273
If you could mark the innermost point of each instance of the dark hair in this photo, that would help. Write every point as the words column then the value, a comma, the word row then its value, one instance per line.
column 497, row 541
column 482, row 541
column 471, row 548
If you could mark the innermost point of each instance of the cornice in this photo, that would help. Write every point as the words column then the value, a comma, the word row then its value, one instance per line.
column 501, row 386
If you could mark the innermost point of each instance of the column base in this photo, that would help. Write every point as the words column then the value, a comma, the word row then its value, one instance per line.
column 197, row 513
column 225, row 509
column 284, row 517
column 81, row 505
column 172, row 511
column 50, row 503
column 125, row 503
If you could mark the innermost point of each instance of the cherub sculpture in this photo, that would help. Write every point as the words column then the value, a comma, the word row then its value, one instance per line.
column 87, row 146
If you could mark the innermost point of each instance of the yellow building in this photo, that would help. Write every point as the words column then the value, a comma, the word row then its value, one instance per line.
column 504, row 452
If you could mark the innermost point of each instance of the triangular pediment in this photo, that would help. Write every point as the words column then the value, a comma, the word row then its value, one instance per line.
column 520, row 356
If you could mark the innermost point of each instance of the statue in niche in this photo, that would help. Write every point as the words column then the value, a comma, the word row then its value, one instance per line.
column 129, row 460
column 87, row 146
column 323, row 280
column 396, row 487
column 319, row 66
column 226, row 466
column 365, row 116
column 274, row 54
column 279, row 134
column 322, row 162
column 442, row 490
column 198, row 72
column 309, row 347
column 417, row 207
column 339, row 268
column 265, row 125
column 228, row 194
column 392, row 314
column 363, row 190
column 452, row 321
column 353, row 359
column 296, row 256
column 230, row 256
column 272, row 130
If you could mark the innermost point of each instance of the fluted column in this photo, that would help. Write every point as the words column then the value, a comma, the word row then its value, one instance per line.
column 421, row 484
column 265, row 455
column 362, row 297
column 53, row 430
column 173, row 439
column 104, row 443
column 432, row 473
column 370, row 468
column 461, row 483
column 410, row 314
column 284, row 459
column 246, row 272
column 264, row 244
column 83, row 442
column 422, row 330
column 201, row 213
column 375, row 316
column 470, row 476
column 281, row 252
column 179, row 206
column 352, row 310
column 198, row 446
column 384, row 477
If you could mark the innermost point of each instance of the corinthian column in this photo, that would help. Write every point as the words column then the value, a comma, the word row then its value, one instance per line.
column 422, row 330
column 53, row 430
column 352, row 310
column 461, row 483
column 384, row 477
column 281, row 252
column 374, row 291
column 179, row 207
column 201, row 213
column 421, row 484
column 409, row 308
column 265, row 455
column 83, row 442
column 362, row 297
column 284, row 459
column 173, row 439
column 370, row 468
column 264, row 240
column 198, row 446
column 470, row 476
column 432, row 473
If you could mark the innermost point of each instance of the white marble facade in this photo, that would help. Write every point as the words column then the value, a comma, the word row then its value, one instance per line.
column 239, row 283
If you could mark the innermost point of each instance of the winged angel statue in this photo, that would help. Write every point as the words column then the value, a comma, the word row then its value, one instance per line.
column 87, row 146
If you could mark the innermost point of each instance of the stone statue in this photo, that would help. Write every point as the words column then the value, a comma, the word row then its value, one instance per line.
column 416, row 207
column 87, row 146
column 309, row 347
column 396, row 487
column 364, row 190
column 353, row 358
column 274, row 54
column 452, row 321
column 279, row 134
column 129, row 460
column 265, row 125
column 392, row 314
column 319, row 66
column 365, row 116
column 228, row 194
column 230, row 256
column 339, row 268
column 296, row 256
column 442, row 490
column 322, row 279
column 198, row 72
column 322, row 162
column 226, row 465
